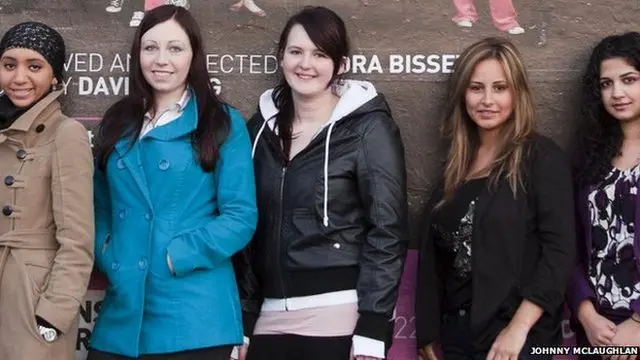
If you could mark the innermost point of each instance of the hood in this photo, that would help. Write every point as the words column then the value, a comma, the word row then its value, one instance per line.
column 355, row 99
column 353, row 95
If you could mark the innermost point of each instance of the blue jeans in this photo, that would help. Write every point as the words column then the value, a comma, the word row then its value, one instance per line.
column 456, row 341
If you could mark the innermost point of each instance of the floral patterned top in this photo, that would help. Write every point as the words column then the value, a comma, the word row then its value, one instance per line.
column 453, row 230
column 613, row 273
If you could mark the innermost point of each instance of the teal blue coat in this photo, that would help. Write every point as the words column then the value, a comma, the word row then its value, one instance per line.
column 154, row 199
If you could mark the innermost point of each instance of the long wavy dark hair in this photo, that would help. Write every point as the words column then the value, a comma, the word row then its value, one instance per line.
column 125, row 118
column 600, row 134
column 328, row 32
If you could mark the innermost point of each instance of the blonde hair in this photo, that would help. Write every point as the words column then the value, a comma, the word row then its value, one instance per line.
column 462, row 132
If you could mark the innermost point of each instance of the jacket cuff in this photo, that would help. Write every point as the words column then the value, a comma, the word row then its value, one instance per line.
column 635, row 306
column 248, row 323
column 579, row 291
column 373, row 326
column 368, row 347
column 54, row 315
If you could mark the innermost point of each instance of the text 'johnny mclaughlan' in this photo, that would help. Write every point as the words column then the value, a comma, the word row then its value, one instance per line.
column 584, row 350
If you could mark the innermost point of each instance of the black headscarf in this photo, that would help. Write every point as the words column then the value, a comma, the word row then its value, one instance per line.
column 41, row 39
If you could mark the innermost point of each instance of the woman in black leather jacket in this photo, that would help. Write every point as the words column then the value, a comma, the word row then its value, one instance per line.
column 326, row 259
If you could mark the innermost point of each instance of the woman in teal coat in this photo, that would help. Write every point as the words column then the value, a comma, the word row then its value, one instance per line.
column 175, row 199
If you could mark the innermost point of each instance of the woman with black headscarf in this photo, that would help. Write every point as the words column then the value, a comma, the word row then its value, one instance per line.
column 46, row 201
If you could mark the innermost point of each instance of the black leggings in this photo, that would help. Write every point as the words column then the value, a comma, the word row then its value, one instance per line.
column 212, row 353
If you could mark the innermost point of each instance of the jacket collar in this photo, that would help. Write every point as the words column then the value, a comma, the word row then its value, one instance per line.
column 185, row 124
column 48, row 103
column 182, row 126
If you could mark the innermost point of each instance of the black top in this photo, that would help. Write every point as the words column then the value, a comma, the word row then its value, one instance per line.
column 453, row 226
column 523, row 248
column 9, row 112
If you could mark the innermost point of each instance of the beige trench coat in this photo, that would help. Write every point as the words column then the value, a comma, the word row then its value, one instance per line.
column 46, row 230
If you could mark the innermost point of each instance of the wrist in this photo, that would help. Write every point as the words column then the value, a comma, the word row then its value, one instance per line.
column 586, row 310
column 520, row 325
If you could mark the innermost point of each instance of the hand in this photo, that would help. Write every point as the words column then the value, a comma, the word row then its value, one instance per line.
column 509, row 343
column 427, row 353
column 600, row 331
column 240, row 352
column 627, row 334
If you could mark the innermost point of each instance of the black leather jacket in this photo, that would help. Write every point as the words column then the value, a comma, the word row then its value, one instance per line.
column 360, row 244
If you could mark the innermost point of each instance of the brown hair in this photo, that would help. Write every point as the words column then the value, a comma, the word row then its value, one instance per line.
column 462, row 132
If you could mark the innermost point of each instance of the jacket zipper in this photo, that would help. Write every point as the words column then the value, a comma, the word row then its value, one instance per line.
column 281, row 253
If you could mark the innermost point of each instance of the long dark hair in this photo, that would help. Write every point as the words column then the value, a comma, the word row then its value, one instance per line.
column 329, row 33
column 125, row 117
column 600, row 136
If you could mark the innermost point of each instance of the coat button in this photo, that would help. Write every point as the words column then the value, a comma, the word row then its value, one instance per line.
column 122, row 214
column 163, row 165
column 336, row 245
column 148, row 216
column 9, row 180
column 7, row 210
column 21, row 154
column 40, row 128
column 115, row 265
column 120, row 164
column 142, row 264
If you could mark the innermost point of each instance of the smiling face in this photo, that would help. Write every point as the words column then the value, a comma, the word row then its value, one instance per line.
column 620, row 89
column 307, row 69
column 25, row 76
column 165, row 57
column 488, row 98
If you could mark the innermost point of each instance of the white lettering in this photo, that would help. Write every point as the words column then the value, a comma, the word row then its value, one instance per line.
column 217, row 85
column 85, row 85
column 117, row 64
column 274, row 62
column 223, row 60
column 447, row 63
column 395, row 64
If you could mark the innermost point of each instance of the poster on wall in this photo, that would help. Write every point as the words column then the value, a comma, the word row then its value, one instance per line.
column 405, row 47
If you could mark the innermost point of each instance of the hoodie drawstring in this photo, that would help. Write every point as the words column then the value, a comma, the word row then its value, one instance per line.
column 255, row 142
column 325, row 219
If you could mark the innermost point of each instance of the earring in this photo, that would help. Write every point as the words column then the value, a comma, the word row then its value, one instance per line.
column 56, row 86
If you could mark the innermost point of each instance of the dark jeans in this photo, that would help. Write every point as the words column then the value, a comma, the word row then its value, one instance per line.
column 212, row 353
column 456, row 341
column 296, row 347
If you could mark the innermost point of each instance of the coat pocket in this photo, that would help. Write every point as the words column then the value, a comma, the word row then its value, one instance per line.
column 28, row 280
column 36, row 265
column 317, row 247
